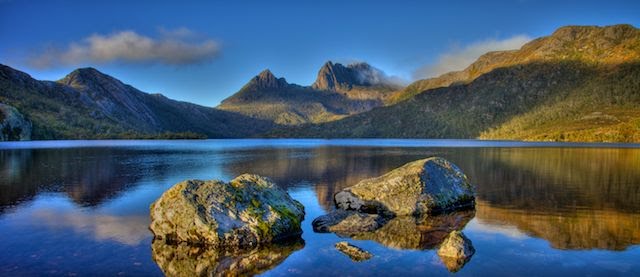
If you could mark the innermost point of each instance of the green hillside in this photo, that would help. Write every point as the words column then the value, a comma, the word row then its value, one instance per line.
column 89, row 104
column 580, row 84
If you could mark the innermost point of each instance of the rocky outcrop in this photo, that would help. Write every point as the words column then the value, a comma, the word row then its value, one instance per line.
column 13, row 125
column 455, row 251
column 356, row 254
column 425, row 186
column 247, row 211
column 189, row 260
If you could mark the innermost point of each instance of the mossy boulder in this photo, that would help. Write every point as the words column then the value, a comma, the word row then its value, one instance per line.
column 247, row 211
column 427, row 186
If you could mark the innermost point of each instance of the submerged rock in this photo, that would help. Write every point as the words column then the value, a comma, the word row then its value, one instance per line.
column 408, row 232
column 13, row 125
column 355, row 253
column 191, row 260
column 425, row 186
column 348, row 222
column 247, row 211
column 456, row 251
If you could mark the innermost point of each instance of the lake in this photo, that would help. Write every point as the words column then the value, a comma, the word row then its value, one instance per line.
column 543, row 209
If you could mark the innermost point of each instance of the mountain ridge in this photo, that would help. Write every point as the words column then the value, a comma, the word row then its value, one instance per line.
column 581, row 83
column 339, row 91
column 90, row 104
column 608, row 44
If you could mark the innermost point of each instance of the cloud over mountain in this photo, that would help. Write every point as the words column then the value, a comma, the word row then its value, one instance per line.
column 459, row 58
column 172, row 47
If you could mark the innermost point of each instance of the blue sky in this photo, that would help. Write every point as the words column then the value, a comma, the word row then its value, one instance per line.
column 204, row 52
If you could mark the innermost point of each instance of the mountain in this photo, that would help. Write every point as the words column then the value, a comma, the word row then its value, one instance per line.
column 339, row 91
column 89, row 104
column 582, row 83
column 589, row 44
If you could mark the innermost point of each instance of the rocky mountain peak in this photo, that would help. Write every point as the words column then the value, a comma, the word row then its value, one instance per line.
column 337, row 77
column 89, row 77
column 266, row 80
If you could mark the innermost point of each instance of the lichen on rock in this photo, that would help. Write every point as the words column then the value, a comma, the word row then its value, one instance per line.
column 247, row 211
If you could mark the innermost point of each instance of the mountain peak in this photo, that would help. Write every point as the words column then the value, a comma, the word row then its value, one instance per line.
column 266, row 74
column 337, row 77
column 86, row 76
column 266, row 80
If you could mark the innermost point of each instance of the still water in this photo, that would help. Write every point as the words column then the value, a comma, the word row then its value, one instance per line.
column 82, row 207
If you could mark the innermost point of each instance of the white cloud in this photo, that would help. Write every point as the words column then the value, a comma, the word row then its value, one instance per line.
column 460, row 58
column 174, row 47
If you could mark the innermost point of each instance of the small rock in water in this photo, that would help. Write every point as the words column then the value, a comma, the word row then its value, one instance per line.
column 455, row 251
column 355, row 253
column 348, row 222
column 427, row 186
column 247, row 211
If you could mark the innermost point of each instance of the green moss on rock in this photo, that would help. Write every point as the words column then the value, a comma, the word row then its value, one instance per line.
column 247, row 211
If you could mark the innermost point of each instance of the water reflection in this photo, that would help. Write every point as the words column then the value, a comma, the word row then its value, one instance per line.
column 572, row 198
column 328, row 169
column 129, row 229
column 187, row 260
column 87, row 175
column 588, row 198
column 581, row 229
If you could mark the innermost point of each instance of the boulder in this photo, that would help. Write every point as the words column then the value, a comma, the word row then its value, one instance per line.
column 247, row 211
column 355, row 253
column 427, row 186
column 455, row 251
column 13, row 125
column 192, row 260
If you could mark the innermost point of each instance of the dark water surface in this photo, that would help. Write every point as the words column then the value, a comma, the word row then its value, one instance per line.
column 82, row 207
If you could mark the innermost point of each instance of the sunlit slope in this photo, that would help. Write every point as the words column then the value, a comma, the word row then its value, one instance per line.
column 580, row 84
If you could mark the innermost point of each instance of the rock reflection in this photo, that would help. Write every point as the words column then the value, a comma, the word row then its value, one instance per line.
column 189, row 260
column 405, row 232
column 408, row 232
